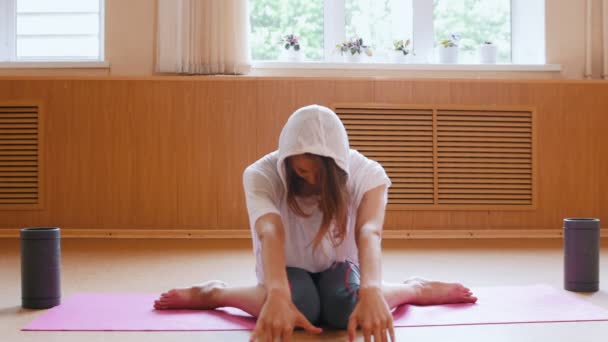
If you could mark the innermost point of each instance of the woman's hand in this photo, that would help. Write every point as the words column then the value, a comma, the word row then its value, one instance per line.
column 278, row 318
column 372, row 314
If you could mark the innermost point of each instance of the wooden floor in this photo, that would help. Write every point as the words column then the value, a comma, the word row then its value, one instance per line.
column 114, row 265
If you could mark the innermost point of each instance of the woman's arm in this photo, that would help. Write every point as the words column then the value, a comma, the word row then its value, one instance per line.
column 368, row 233
column 279, row 315
column 269, row 229
column 372, row 312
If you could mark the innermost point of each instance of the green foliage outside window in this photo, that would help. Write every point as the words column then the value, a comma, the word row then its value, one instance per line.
column 272, row 19
column 476, row 21
column 371, row 21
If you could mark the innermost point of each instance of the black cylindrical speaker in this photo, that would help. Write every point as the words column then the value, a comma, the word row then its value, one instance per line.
column 581, row 254
column 40, row 267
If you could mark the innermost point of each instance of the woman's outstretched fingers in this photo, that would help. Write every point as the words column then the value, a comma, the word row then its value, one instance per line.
column 303, row 322
column 367, row 331
column 378, row 329
column 257, row 332
column 262, row 333
column 352, row 326
column 277, row 330
column 391, row 330
column 384, row 335
column 287, row 333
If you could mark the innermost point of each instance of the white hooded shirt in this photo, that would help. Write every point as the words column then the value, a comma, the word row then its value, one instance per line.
column 317, row 130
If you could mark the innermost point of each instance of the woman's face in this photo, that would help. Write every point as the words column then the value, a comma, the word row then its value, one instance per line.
column 306, row 167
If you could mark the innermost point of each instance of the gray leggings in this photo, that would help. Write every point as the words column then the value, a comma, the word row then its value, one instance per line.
column 327, row 297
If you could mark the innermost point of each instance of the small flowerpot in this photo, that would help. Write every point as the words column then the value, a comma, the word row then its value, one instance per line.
column 488, row 53
column 448, row 55
column 353, row 58
column 399, row 57
column 291, row 55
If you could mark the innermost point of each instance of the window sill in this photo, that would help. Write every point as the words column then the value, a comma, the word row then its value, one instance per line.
column 405, row 66
column 56, row 65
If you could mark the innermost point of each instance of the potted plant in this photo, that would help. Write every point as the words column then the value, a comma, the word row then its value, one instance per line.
column 488, row 53
column 353, row 49
column 448, row 49
column 291, row 48
column 401, row 50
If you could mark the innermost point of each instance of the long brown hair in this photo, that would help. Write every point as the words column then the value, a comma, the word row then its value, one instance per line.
column 333, row 196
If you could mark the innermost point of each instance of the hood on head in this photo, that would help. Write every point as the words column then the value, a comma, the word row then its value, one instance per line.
column 313, row 129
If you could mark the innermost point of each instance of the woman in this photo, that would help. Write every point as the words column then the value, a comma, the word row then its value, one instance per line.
column 316, row 210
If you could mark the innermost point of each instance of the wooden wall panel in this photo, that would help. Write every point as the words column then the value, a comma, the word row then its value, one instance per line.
column 156, row 181
column 568, row 142
column 168, row 153
column 233, row 111
column 84, row 129
column 434, row 92
column 197, row 185
column 601, row 141
column 578, row 133
column 516, row 94
column 277, row 99
column 53, row 96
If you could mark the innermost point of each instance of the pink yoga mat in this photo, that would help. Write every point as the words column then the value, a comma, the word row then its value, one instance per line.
column 496, row 305
column 134, row 312
column 504, row 305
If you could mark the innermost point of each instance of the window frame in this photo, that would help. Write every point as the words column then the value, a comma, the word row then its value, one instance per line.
column 8, row 38
column 334, row 27
column 526, row 14
column 7, row 30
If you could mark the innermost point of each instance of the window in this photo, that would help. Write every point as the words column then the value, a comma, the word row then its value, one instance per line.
column 379, row 23
column 321, row 24
column 475, row 21
column 58, row 30
column 271, row 19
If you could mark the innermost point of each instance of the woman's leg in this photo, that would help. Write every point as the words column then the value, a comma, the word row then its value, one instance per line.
column 213, row 294
column 304, row 294
column 339, row 293
column 424, row 292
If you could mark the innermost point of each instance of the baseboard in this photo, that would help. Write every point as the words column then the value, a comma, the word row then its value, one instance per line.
column 144, row 233
column 246, row 234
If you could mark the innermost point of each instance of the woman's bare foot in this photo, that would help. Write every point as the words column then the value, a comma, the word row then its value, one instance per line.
column 198, row 297
column 434, row 292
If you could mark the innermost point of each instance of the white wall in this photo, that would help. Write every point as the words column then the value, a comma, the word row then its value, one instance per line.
column 130, row 32
column 130, row 43
column 565, row 23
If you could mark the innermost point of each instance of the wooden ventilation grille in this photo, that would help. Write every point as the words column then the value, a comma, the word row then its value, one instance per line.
column 19, row 184
column 402, row 141
column 484, row 157
column 441, row 157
